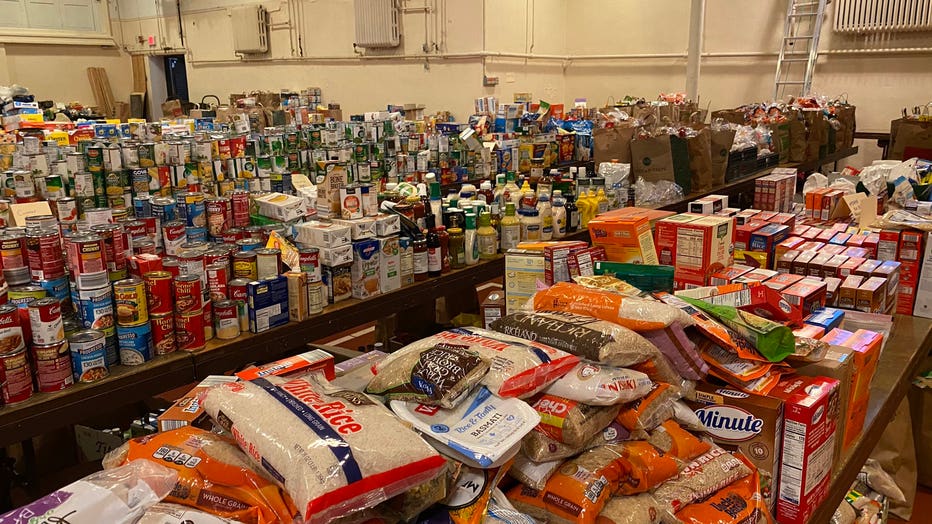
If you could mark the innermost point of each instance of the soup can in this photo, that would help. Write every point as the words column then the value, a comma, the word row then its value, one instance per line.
column 45, row 321
column 59, row 288
column 89, row 356
column 86, row 260
column 96, row 309
column 244, row 265
column 173, row 235
column 226, row 319
column 219, row 216
column 189, row 331
column 218, row 276
column 309, row 259
column 195, row 209
column 135, row 343
column 18, row 385
column 44, row 254
column 53, row 366
column 251, row 243
column 130, row 297
column 268, row 263
column 115, row 247
column 11, row 331
column 163, row 333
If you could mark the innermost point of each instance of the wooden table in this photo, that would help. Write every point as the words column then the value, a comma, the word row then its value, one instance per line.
column 910, row 341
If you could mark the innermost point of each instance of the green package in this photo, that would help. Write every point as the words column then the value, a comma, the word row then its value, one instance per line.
column 774, row 341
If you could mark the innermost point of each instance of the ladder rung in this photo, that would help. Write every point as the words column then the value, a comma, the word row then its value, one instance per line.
column 791, row 82
column 806, row 4
column 802, row 14
column 795, row 59
column 807, row 37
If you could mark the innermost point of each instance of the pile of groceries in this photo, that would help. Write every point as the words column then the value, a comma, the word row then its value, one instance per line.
column 594, row 403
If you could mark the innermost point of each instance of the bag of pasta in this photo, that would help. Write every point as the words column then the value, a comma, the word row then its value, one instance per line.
column 213, row 475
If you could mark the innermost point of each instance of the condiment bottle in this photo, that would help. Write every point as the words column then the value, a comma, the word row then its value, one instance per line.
column 444, row 237
column 488, row 237
column 546, row 217
column 421, row 258
column 457, row 248
column 572, row 214
column 434, row 251
column 559, row 214
column 485, row 192
column 472, row 240
column 530, row 225
column 511, row 228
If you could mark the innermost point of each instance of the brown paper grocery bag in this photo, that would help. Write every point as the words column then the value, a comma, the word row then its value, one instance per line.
column 720, row 142
column 732, row 116
column 612, row 143
column 797, row 137
column 844, row 135
column 780, row 140
column 652, row 159
column 700, row 160
column 817, row 136
column 910, row 133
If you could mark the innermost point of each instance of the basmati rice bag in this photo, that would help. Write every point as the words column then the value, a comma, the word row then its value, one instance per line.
column 483, row 432
column 540, row 448
column 570, row 422
column 670, row 438
column 633, row 313
column 335, row 451
column 163, row 513
column 213, row 475
column 650, row 410
column 518, row 367
column 469, row 500
column 637, row 509
column 432, row 373
column 600, row 385
column 533, row 474
column 739, row 502
column 708, row 473
column 587, row 337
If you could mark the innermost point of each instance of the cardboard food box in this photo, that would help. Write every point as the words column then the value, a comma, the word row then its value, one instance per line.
column 817, row 264
column 810, row 409
column 336, row 256
column 751, row 424
column 809, row 331
column 387, row 224
column 866, row 346
column 807, row 295
column 872, row 295
column 826, row 235
column 800, row 264
column 830, row 268
column 832, row 285
column 758, row 276
column 625, row 239
column 267, row 304
column 743, row 233
column 281, row 207
column 761, row 301
column 834, row 249
column 871, row 241
column 523, row 268
column 365, row 269
column 912, row 297
column 888, row 246
column 556, row 258
column 360, row 229
column 850, row 266
column 890, row 270
column 840, row 239
column 867, row 269
column 838, row 363
column 828, row 319
column 728, row 275
column 787, row 219
column 492, row 308
column 812, row 245
column 319, row 234
column 784, row 262
column 782, row 281
column 297, row 296
column 703, row 247
column 314, row 360
column 745, row 216
column 187, row 410
column 791, row 243
column 389, row 264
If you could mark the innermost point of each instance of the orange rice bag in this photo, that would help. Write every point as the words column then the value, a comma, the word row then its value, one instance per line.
column 213, row 475
column 637, row 314
column 740, row 502
column 650, row 410
column 670, row 438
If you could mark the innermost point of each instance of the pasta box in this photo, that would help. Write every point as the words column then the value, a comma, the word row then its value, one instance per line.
column 187, row 410
column 756, row 277
column 267, row 302
column 856, row 252
column 751, row 424
column 830, row 268
column 810, row 409
column 808, row 295
column 849, row 267
column 816, row 265
column 523, row 269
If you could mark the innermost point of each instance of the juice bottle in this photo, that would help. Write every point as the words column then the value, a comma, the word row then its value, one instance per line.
column 511, row 228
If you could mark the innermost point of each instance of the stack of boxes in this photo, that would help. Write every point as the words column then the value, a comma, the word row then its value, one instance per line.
column 17, row 113
column 774, row 192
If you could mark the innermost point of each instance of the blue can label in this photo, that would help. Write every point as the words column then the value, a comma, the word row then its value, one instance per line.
column 59, row 288
column 196, row 234
column 89, row 360
column 135, row 344
column 196, row 214
column 95, row 307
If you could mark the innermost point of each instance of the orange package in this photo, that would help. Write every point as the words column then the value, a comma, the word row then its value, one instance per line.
column 713, row 329
column 637, row 314
column 213, row 475
column 670, row 438
column 650, row 410
column 579, row 490
column 740, row 502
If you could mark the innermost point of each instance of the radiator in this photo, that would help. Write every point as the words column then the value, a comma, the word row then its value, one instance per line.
column 377, row 23
column 882, row 16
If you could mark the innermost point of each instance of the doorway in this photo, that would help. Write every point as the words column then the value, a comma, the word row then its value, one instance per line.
column 176, row 77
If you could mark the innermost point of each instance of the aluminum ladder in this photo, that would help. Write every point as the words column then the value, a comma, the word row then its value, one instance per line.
column 800, row 46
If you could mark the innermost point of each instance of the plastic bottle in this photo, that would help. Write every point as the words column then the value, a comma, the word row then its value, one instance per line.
column 420, row 249
column 472, row 240
column 559, row 214
column 545, row 211
column 419, row 211
column 528, row 196
column 583, row 204
column 511, row 228
column 498, row 194
column 530, row 225
column 488, row 237
column 601, row 202
column 496, row 223
column 434, row 253
column 512, row 191
column 457, row 248
column 467, row 192
column 436, row 202
column 444, row 237
column 485, row 193
column 572, row 214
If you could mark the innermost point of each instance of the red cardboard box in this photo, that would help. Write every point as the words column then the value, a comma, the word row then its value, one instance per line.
column 787, row 219
column 832, row 285
column 888, row 247
column 812, row 245
column 782, row 281
column 811, row 406
column 910, row 254
column 743, row 233
column 757, row 276
column 833, row 249
column 849, row 267
column 665, row 236
column 859, row 252
column 761, row 301
column 703, row 247
column 866, row 347
column 871, row 243
column 791, row 243
column 808, row 295
column 727, row 275
column 784, row 263
column 800, row 264
column 826, row 235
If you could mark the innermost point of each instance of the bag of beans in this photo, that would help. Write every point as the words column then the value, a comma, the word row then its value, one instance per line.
column 587, row 337
column 570, row 422
column 634, row 313
column 601, row 385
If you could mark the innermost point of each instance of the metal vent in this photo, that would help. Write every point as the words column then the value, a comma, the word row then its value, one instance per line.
column 887, row 16
column 377, row 23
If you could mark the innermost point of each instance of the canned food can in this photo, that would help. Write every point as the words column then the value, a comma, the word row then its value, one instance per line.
column 208, row 312
column 195, row 209
column 163, row 333
column 86, row 260
column 164, row 208
column 53, row 366
column 130, row 155
column 44, row 253
column 146, row 154
column 54, row 186
column 17, row 276
column 192, row 263
column 45, row 321
column 37, row 222
column 89, row 356
column 136, row 229
column 72, row 323
column 113, row 158
column 218, row 276
column 159, row 292
column 244, row 265
column 65, row 208
column 219, row 216
column 189, row 330
column 11, row 331
column 316, row 297
column 189, row 293
column 239, row 202
column 309, row 259
column 13, row 252
column 230, row 236
column 24, row 186
column 142, row 206
column 173, row 234
column 172, row 266
column 114, row 183
column 268, row 263
column 130, row 297
column 18, row 385
column 226, row 319
column 135, row 343
column 115, row 247
column 251, row 243
column 219, row 254
column 59, row 288
column 95, row 308
column 144, row 247
column 196, row 234
column 22, row 295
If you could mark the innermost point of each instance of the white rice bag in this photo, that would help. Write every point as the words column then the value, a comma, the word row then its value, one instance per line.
column 601, row 385
column 533, row 474
column 484, row 431
column 334, row 451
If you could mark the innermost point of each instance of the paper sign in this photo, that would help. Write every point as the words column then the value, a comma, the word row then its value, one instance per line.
column 859, row 206
column 31, row 209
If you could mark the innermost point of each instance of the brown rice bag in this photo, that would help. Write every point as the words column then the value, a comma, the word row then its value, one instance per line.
column 702, row 477
column 540, row 448
column 570, row 422
column 637, row 509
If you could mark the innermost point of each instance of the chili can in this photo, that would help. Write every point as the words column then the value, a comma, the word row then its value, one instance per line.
column 219, row 254
column 163, row 333
column 159, row 292
column 18, row 385
column 115, row 248
column 135, row 343
column 218, row 276
column 172, row 266
column 45, row 321
column 189, row 294
column 11, row 330
column 189, row 330
column 89, row 356
column 53, row 366
column 130, row 297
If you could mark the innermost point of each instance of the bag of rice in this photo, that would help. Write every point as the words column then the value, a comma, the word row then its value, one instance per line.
column 483, row 432
column 115, row 496
column 502, row 512
column 670, row 438
column 327, row 447
column 608, row 283
column 541, row 448
column 570, row 422
column 432, row 373
column 600, row 385
column 518, row 367
column 740, row 501
column 163, row 513
column 687, row 418
column 710, row 472
column 469, row 499
column 213, row 475
column 650, row 410
column 588, row 337
column 633, row 313
column 637, row 509
column 533, row 474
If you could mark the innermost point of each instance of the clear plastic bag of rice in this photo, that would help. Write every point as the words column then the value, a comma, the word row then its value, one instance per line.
column 334, row 451
column 570, row 422
column 502, row 512
column 429, row 372
column 649, row 411
column 585, row 336
column 533, row 474
column 540, row 448
column 163, row 513
column 636, row 509
column 601, row 385
column 706, row 474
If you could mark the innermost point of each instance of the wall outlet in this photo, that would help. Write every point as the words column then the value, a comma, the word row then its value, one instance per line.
column 489, row 81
